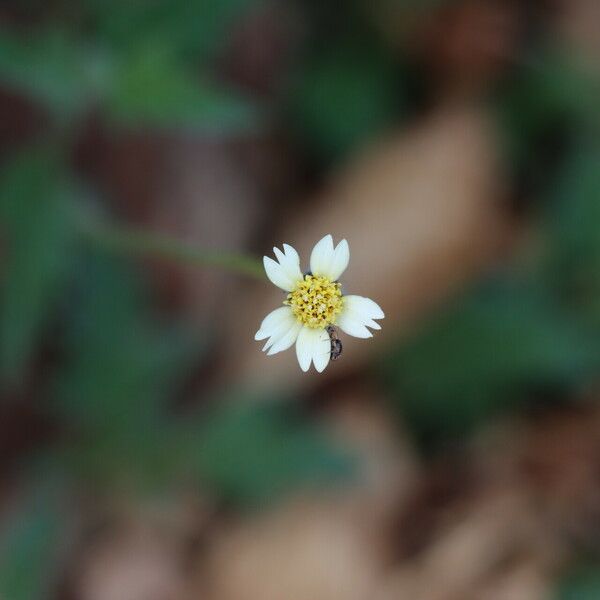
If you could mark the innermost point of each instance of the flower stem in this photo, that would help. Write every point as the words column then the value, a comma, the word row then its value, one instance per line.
column 137, row 242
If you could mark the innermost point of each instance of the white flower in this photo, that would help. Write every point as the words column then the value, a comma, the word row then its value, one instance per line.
column 314, row 303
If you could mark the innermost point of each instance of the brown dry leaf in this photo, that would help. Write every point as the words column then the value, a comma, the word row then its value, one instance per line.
column 478, row 540
column 135, row 564
column 140, row 551
column 557, row 460
column 524, row 580
column 529, row 503
column 466, row 45
column 577, row 23
column 358, row 421
column 421, row 213
column 303, row 551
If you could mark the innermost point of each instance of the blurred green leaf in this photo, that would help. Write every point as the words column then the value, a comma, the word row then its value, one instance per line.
column 152, row 89
column 146, row 82
column 194, row 29
column 121, row 362
column 583, row 584
column 481, row 355
column 121, row 365
column 31, row 545
column 251, row 453
column 573, row 230
column 48, row 65
column 551, row 90
column 35, row 218
column 344, row 97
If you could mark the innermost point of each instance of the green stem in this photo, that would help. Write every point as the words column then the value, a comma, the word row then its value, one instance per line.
column 131, row 241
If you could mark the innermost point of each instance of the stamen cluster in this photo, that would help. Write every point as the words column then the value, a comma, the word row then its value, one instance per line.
column 316, row 301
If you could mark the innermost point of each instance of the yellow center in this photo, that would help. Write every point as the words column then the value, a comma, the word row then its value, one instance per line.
column 316, row 301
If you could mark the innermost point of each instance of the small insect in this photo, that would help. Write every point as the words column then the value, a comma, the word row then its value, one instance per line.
column 336, row 344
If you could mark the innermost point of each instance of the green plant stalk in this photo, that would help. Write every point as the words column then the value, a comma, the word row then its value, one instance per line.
column 143, row 243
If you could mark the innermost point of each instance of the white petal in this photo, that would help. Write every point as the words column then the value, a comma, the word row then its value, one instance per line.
column 321, row 256
column 287, row 340
column 280, row 332
column 279, row 325
column 364, row 306
column 291, row 253
column 290, row 262
column 278, row 275
column 321, row 350
column 304, row 348
column 276, row 326
column 352, row 325
column 358, row 314
column 272, row 321
column 313, row 345
column 341, row 258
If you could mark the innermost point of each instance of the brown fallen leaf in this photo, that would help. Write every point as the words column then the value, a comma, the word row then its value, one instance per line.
column 302, row 551
column 138, row 551
column 525, row 579
column 358, row 420
column 525, row 510
column 577, row 27
column 135, row 563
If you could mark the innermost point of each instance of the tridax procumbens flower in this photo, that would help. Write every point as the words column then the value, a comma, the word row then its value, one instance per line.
column 314, row 304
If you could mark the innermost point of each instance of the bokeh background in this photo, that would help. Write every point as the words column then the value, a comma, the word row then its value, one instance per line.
column 151, row 151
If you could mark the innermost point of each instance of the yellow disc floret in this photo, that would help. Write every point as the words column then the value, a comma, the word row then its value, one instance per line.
column 316, row 301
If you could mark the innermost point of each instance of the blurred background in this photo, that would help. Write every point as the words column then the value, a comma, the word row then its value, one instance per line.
column 151, row 151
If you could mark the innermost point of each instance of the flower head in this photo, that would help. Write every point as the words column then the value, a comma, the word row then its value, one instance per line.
column 314, row 304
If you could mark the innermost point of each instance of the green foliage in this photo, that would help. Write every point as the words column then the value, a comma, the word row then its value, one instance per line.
column 49, row 66
column 573, row 229
column 197, row 29
column 35, row 216
column 120, row 366
column 144, row 65
column 31, row 545
column 549, row 91
column 582, row 584
column 344, row 97
column 483, row 354
column 252, row 453
column 152, row 89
